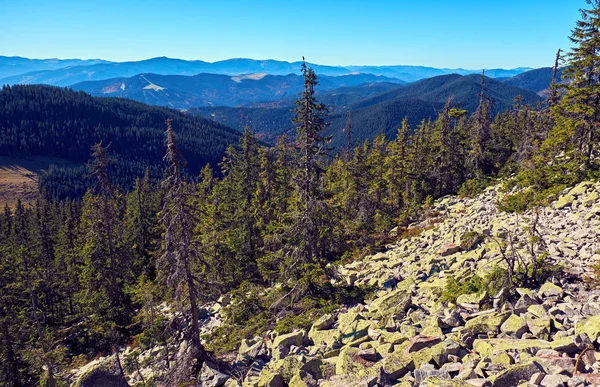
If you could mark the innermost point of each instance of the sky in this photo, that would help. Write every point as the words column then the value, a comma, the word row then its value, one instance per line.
column 438, row 33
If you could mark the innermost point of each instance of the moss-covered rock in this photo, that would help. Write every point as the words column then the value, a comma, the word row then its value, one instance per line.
column 473, row 299
column 486, row 347
column 590, row 327
column 397, row 365
column 564, row 201
column 346, row 364
column 501, row 358
column 539, row 327
column 393, row 303
column 295, row 338
column 514, row 326
column 486, row 323
column 104, row 374
column 330, row 338
column 356, row 330
column 516, row 374
column 268, row 378
column 324, row 322
column 550, row 290
column 437, row 382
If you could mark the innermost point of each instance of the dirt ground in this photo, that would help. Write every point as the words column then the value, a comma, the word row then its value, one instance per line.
column 19, row 178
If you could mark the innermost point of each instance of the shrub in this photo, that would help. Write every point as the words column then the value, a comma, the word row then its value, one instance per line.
column 518, row 202
column 474, row 187
column 471, row 240
column 454, row 289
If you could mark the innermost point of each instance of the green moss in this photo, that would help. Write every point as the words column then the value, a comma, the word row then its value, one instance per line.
column 454, row 289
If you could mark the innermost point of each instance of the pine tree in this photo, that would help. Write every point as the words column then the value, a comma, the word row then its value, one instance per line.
column 578, row 113
column 101, row 242
column 143, row 204
column 179, row 251
column 480, row 134
column 311, row 144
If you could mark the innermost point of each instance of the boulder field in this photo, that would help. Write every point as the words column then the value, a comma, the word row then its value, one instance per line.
column 414, row 333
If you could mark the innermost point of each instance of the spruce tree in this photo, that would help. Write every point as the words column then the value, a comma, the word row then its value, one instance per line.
column 179, row 251
column 577, row 115
column 311, row 143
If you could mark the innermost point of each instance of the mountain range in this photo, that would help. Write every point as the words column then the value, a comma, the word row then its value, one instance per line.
column 375, row 108
column 71, row 72
column 260, row 93
column 184, row 92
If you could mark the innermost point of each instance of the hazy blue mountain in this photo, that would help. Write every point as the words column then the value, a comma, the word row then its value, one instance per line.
column 537, row 80
column 184, row 92
column 415, row 73
column 14, row 65
column 75, row 73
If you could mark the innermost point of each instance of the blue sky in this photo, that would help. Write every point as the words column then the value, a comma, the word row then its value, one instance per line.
column 468, row 33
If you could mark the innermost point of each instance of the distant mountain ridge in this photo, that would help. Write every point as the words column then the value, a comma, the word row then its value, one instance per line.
column 73, row 73
column 184, row 92
column 537, row 80
column 15, row 65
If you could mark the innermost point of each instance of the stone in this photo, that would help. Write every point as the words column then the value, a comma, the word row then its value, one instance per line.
column 590, row 199
column 554, row 381
column 514, row 326
column 419, row 342
column 104, row 374
column 537, row 378
column 453, row 319
column 329, row 338
column 501, row 358
column 368, row 354
column 346, row 364
column 397, row 365
column 449, row 249
column 421, row 375
column 564, row 201
column 270, row 379
column 512, row 376
column 525, row 302
column 539, row 327
column 489, row 322
column 473, row 300
column 570, row 344
column 210, row 376
column 486, row 347
column 324, row 322
column 580, row 188
column 302, row 379
column 548, row 289
column 356, row 330
column 392, row 304
column 590, row 326
column 295, row 338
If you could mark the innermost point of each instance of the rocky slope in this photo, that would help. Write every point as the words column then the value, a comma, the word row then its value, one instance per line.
column 413, row 334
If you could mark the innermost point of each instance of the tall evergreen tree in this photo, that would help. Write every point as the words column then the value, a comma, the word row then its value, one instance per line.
column 179, row 251
column 311, row 143
column 577, row 116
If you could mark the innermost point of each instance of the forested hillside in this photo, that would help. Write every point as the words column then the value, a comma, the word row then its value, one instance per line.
column 55, row 122
column 379, row 108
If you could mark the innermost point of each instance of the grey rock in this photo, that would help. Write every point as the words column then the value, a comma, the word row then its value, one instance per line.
column 512, row 376
column 105, row 374
column 421, row 375
column 210, row 376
